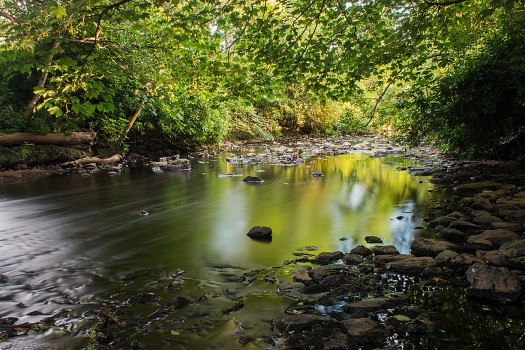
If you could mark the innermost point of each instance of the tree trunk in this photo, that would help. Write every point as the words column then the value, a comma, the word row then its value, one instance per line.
column 76, row 138
column 131, row 121
column 42, row 81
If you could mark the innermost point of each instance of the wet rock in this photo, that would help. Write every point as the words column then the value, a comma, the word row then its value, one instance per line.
column 302, row 276
column 437, row 271
column 484, row 219
column 457, row 215
column 463, row 261
column 464, row 226
column 172, row 305
column 177, row 164
column 143, row 298
column 412, row 265
column 352, row 259
column 382, row 260
column 494, row 283
column 476, row 187
column 338, row 341
column 513, row 249
column 328, row 257
column 512, row 226
column 401, row 168
column 260, row 232
column 234, row 308
column 288, row 286
column 317, row 174
column 496, row 237
column 360, row 327
column 492, row 257
column 478, row 243
column 517, row 216
column 252, row 179
column 477, row 203
column 375, row 304
column 430, row 247
column 451, row 234
column 441, row 221
column 304, row 322
column 316, row 289
column 384, row 250
column 361, row 250
column 319, row 273
column 373, row 239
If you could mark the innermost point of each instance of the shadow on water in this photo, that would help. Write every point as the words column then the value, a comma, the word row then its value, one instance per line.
column 68, row 241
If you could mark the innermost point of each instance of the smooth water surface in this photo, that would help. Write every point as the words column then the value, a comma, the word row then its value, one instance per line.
column 68, row 239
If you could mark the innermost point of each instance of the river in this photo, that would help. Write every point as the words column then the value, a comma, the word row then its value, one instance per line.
column 69, row 242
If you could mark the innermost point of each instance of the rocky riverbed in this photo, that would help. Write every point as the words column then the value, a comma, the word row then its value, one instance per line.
column 460, row 286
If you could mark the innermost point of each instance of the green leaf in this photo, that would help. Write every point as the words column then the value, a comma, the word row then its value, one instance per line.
column 402, row 318
column 58, row 11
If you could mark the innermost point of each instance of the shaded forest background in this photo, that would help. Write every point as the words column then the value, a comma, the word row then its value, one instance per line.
column 156, row 74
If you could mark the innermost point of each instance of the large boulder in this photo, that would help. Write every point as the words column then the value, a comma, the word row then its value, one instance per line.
column 494, row 283
column 430, row 247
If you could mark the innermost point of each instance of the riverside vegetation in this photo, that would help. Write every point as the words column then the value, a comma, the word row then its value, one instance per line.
column 461, row 286
column 165, row 78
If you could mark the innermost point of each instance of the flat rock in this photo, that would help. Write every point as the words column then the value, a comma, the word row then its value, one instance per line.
column 463, row 261
column 260, row 232
column 328, row 257
column 412, row 265
column 485, row 219
column 494, row 283
column 444, row 258
column 451, row 234
column 513, row 249
column 437, row 271
column 476, row 187
column 478, row 243
column 464, row 226
column 361, row 250
column 496, row 237
column 430, row 247
column 304, row 322
column 373, row 239
column 375, row 304
column 492, row 258
column 360, row 327
column 382, row 260
column 384, row 250
column 317, row 174
column 287, row 286
column 441, row 221
column 512, row 226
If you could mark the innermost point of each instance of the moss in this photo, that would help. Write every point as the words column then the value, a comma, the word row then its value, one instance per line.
column 37, row 154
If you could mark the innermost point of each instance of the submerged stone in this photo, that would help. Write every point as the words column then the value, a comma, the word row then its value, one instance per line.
column 252, row 179
column 304, row 322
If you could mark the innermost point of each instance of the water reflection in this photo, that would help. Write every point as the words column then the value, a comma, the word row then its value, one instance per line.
column 71, row 237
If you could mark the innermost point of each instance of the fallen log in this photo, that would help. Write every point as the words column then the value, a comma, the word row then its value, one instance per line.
column 75, row 138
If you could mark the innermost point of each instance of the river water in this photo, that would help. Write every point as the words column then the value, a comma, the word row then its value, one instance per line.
column 73, row 241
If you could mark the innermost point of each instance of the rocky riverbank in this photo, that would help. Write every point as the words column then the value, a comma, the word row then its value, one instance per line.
column 460, row 286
